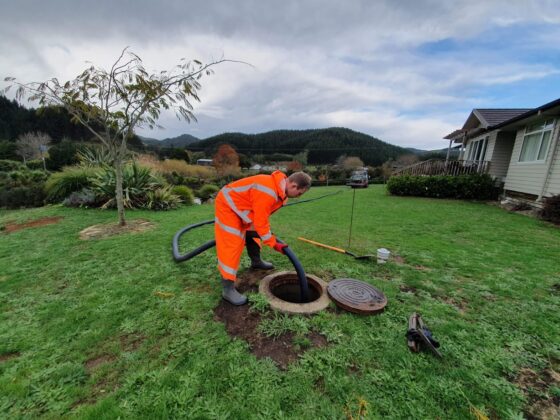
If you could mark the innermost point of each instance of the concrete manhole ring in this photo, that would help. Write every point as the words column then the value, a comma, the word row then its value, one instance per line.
column 288, row 283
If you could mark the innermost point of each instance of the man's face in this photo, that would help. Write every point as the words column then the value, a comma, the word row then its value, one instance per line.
column 293, row 191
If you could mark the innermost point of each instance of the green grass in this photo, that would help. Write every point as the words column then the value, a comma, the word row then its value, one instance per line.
column 93, row 340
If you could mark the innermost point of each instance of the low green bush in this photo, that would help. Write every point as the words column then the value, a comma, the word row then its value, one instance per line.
column 35, row 164
column 185, row 194
column 72, row 179
column 17, row 197
column 83, row 198
column 162, row 199
column 551, row 209
column 471, row 187
column 207, row 191
column 137, row 182
column 22, row 188
column 62, row 154
column 10, row 165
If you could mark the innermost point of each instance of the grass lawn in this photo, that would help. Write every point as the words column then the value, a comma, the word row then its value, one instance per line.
column 114, row 327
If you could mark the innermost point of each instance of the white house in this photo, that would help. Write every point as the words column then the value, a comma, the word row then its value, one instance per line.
column 518, row 147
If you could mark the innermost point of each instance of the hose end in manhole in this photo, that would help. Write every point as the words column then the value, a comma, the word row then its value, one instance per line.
column 282, row 292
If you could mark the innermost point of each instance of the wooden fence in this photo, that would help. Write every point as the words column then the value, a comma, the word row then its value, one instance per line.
column 441, row 167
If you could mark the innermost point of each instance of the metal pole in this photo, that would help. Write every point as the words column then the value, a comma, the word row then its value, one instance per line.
column 351, row 216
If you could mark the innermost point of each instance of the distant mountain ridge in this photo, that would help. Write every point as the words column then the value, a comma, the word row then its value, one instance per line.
column 323, row 145
column 181, row 141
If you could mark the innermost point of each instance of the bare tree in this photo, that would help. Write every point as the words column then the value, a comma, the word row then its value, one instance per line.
column 352, row 162
column 407, row 160
column 32, row 145
column 112, row 103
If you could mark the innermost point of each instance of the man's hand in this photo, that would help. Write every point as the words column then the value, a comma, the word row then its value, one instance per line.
column 280, row 247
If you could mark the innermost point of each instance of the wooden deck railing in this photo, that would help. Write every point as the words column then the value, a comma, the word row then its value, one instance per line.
column 441, row 167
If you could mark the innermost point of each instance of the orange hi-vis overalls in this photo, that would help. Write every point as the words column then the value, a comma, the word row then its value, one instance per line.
column 244, row 205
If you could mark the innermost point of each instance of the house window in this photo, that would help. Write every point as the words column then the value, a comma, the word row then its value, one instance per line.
column 536, row 141
column 478, row 149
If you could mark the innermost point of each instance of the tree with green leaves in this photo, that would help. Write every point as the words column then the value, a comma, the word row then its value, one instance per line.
column 111, row 104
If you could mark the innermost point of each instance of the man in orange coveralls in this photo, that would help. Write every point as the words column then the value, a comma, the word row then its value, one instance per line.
column 242, row 209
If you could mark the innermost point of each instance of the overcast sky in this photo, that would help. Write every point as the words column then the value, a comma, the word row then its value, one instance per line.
column 406, row 72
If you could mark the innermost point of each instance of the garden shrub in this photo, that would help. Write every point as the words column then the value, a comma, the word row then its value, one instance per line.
column 162, row 199
column 8, row 150
column 22, row 188
column 10, row 165
column 62, row 154
column 83, row 198
column 137, row 182
column 72, row 179
column 35, row 164
column 184, row 193
column 551, row 209
column 207, row 191
column 471, row 187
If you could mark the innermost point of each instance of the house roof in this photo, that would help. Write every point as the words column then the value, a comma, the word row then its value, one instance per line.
column 486, row 119
column 455, row 134
column 534, row 111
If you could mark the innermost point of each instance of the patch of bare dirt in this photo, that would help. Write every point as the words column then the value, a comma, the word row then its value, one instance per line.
column 248, row 281
column 408, row 289
column 242, row 323
column 9, row 356
column 105, row 386
column 131, row 342
column 421, row 268
column 398, row 260
column 95, row 362
column 535, row 386
column 459, row 304
column 112, row 229
column 10, row 227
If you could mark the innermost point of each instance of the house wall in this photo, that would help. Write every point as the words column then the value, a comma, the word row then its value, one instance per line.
column 500, row 156
column 528, row 177
column 552, row 186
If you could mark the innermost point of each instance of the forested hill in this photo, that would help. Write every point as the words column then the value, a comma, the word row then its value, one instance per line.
column 324, row 145
column 180, row 141
column 15, row 119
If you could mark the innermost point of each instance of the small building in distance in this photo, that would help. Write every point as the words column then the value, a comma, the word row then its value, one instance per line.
column 204, row 162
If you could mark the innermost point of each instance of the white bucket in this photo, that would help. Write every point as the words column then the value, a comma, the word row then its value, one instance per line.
column 383, row 255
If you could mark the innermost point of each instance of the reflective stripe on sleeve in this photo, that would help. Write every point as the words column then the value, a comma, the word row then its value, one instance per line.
column 229, row 229
column 267, row 236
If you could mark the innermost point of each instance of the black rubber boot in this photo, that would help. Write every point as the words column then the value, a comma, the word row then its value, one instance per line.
column 254, row 252
column 231, row 295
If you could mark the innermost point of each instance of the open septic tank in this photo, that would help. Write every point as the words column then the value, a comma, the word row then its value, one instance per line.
column 282, row 291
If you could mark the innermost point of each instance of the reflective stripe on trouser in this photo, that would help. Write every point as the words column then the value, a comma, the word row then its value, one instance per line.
column 229, row 232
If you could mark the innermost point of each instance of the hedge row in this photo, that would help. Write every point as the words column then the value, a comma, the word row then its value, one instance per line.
column 471, row 187
column 22, row 188
column 551, row 209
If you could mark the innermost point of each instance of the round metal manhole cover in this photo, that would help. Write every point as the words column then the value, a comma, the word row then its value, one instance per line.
column 357, row 296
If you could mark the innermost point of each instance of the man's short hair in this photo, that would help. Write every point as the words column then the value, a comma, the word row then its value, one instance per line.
column 301, row 179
